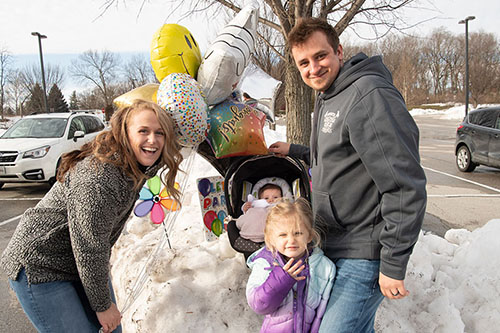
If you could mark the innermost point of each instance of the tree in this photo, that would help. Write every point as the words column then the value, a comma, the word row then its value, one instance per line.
column 32, row 75
column 98, row 68
column 282, row 16
column 18, row 91
column 36, row 100
column 438, row 51
column 401, row 56
column 138, row 72
column 484, row 65
column 73, row 101
column 5, row 62
column 56, row 100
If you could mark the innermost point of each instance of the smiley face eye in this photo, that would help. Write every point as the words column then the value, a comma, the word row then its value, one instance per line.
column 188, row 42
column 194, row 42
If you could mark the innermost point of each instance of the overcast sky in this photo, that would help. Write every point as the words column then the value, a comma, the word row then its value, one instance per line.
column 74, row 26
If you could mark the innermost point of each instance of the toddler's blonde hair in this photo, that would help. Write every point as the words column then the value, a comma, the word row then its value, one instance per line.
column 298, row 212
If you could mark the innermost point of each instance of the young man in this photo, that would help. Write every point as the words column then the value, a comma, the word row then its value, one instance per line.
column 367, row 183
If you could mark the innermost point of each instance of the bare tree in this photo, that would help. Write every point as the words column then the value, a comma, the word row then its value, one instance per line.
column 5, row 63
column 401, row 56
column 138, row 71
column 282, row 16
column 98, row 68
column 437, row 51
column 455, row 59
column 18, row 91
column 484, row 64
column 31, row 75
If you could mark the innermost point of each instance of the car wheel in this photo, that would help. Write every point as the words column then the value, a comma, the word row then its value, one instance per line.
column 464, row 161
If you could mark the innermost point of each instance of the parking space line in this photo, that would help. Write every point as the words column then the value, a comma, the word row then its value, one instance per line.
column 10, row 220
column 463, row 179
column 22, row 198
column 463, row 195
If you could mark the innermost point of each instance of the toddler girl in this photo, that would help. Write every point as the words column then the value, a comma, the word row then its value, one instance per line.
column 291, row 278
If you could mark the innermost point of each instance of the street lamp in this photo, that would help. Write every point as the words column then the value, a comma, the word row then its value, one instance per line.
column 466, row 22
column 40, row 36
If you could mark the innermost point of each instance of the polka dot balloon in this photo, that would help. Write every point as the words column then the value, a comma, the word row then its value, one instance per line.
column 180, row 95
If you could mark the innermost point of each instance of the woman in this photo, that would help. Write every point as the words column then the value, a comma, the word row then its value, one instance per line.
column 58, row 258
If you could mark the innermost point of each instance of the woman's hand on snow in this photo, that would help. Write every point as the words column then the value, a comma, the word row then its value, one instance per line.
column 109, row 319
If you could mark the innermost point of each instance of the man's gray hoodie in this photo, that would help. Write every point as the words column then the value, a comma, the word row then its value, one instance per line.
column 368, row 186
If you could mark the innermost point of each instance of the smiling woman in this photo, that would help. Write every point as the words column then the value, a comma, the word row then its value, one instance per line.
column 58, row 258
column 146, row 137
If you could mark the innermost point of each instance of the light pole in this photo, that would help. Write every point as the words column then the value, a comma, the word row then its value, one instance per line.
column 40, row 36
column 466, row 22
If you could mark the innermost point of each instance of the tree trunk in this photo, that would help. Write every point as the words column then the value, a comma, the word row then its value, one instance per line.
column 298, row 98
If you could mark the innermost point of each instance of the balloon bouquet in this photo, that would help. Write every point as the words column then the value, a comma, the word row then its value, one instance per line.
column 198, row 93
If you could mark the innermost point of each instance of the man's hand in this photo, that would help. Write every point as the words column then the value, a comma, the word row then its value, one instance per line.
column 280, row 148
column 109, row 319
column 392, row 288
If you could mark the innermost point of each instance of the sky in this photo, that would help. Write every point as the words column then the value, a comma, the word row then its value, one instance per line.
column 75, row 26
column 200, row 284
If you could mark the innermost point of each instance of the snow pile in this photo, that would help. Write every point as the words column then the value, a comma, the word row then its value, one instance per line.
column 456, row 111
column 453, row 284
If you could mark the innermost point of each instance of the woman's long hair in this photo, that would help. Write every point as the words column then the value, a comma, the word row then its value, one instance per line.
column 112, row 146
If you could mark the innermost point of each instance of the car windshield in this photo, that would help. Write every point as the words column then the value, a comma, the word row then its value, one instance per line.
column 36, row 128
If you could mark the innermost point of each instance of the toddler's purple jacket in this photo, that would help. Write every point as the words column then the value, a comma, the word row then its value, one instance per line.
column 289, row 305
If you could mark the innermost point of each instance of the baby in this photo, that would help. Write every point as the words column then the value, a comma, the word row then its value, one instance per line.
column 253, row 221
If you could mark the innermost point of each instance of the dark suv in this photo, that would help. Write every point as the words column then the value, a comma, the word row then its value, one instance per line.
column 478, row 139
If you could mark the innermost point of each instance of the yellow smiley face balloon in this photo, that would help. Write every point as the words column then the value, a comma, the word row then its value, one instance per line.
column 174, row 50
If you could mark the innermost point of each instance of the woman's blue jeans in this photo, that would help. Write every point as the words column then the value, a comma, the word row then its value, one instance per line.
column 59, row 306
column 355, row 297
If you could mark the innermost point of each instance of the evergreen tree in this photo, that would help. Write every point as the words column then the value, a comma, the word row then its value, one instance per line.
column 35, row 103
column 73, row 101
column 56, row 100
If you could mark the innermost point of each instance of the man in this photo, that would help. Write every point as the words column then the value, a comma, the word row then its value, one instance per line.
column 367, row 183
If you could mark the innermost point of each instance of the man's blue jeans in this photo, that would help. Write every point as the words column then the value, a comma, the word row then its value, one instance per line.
column 60, row 306
column 355, row 297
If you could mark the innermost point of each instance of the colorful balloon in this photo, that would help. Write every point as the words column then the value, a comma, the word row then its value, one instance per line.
column 204, row 187
column 174, row 50
column 208, row 218
column 146, row 92
column 217, row 227
column 180, row 95
column 228, row 55
column 236, row 129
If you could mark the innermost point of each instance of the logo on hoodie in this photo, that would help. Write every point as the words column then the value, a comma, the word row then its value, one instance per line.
column 329, row 120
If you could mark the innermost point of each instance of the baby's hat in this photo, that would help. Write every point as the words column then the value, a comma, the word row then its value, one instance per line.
column 285, row 188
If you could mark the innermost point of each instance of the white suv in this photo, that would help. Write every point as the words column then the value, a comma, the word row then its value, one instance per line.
column 31, row 149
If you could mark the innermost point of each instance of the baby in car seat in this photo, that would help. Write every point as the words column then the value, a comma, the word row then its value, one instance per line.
column 253, row 221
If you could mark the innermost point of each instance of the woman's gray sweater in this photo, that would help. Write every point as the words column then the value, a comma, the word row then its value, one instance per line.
column 69, row 234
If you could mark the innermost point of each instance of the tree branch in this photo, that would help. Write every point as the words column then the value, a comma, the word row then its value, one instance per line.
column 351, row 12
column 278, row 53
column 280, row 12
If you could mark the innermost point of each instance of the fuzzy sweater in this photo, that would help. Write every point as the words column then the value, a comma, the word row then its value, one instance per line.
column 69, row 234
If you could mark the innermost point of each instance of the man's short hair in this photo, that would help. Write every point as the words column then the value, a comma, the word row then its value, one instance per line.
column 309, row 25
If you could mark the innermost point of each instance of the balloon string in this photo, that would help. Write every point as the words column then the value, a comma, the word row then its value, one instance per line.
column 153, row 257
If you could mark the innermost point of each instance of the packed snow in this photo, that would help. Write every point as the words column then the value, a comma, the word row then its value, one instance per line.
column 199, row 286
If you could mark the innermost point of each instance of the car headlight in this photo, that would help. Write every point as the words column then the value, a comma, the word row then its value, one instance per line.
column 37, row 153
